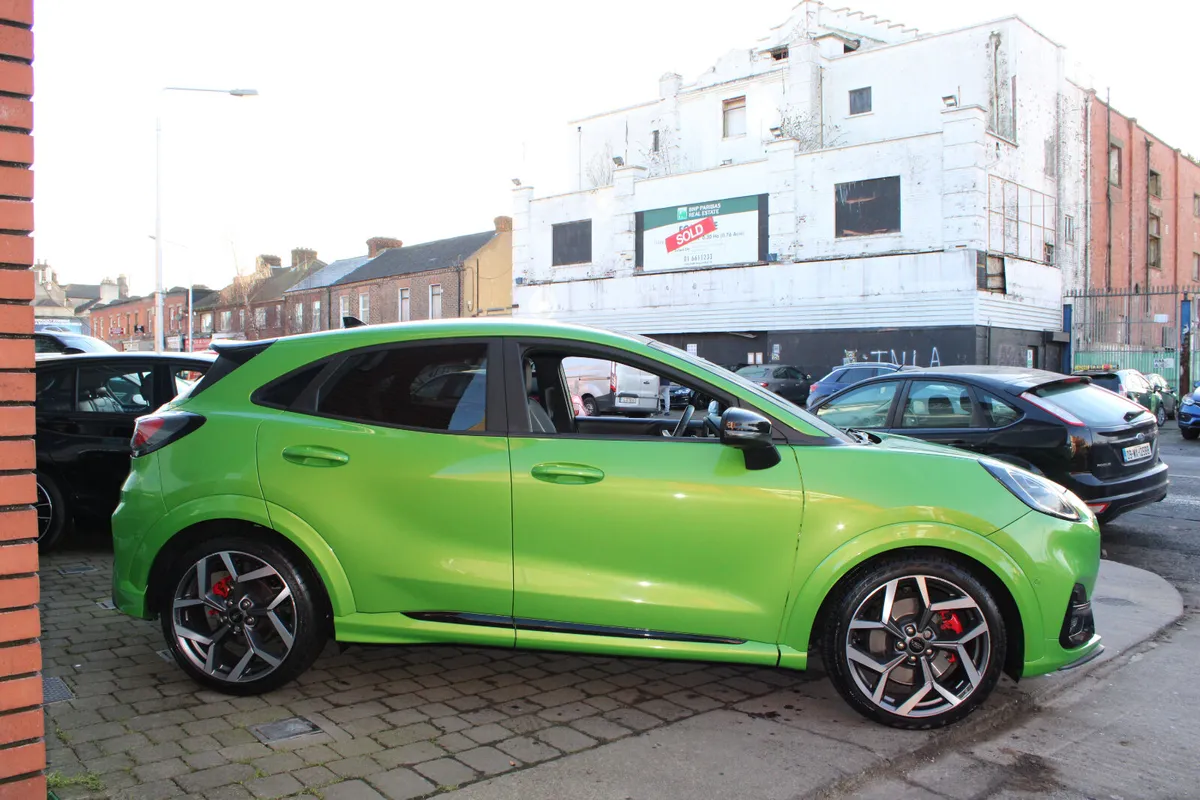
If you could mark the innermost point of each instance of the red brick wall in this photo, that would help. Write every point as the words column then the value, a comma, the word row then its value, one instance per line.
column 385, row 296
column 1122, row 261
column 22, row 751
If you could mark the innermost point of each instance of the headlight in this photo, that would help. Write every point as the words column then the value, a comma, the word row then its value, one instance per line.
column 1038, row 493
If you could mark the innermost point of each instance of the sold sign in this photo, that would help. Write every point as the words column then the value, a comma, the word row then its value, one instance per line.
column 691, row 233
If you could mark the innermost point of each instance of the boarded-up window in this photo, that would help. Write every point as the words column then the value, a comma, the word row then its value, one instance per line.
column 572, row 243
column 865, row 208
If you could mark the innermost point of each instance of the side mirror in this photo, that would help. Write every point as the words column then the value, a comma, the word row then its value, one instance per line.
column 749, row 432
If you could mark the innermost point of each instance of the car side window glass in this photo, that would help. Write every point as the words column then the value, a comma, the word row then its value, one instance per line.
column 932, row 404
column 866, row 407
column 856, row 374
column 439, row 387
column 45, row 344
column 783, row 373
column 185, row 378
column 115, row 389
column 55, row 390
column 996, row 412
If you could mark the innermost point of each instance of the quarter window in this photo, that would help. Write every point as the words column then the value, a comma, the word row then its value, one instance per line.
column 996, row 412
column 937, row 405
column 440, row 387
column 866, row 407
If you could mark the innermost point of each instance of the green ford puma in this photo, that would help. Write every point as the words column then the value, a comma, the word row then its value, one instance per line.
column 431, row 482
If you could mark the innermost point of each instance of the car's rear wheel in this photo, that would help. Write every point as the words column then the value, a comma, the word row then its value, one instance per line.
column 915, row 642
column 1161, row 415
column 1189, row 433
column 53, row 513
column 244, row 616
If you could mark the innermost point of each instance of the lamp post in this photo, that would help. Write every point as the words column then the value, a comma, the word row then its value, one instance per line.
column 159, row 329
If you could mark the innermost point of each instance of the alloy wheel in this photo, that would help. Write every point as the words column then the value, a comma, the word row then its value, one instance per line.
column 1161, row 416
column 45, row 510
column 918, row 646
column 234, row 617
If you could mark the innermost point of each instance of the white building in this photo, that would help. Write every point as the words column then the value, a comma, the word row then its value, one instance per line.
column 850, row 188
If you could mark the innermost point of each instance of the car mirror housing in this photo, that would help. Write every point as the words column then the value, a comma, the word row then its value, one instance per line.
column 749, row 432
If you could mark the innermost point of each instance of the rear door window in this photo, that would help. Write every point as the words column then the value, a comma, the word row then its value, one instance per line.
column 115, row 389
column 936, row 404
column 866, row 407
column 1091, row 404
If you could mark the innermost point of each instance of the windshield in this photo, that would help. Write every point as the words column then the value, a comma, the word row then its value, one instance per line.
column 770, row 397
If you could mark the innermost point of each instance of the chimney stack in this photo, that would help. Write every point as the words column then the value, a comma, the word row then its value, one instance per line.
column 265, row 263
column 302, row 256
column 503, row 224
column 122, row 287
column 377, row 244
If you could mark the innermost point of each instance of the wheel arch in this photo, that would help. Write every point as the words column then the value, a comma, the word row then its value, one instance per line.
column 985, row 560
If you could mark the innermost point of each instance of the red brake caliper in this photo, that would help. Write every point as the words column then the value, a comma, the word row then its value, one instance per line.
column 221, row 589
column 952, row 624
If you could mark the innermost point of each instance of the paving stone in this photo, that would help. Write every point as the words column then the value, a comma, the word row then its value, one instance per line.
column 446, row 772
column 157, row 752
column 436, row 710
column 228, row 738
column 484, row 716
column 205, row 760
column 167, row 733
column 530, row 723
column 454, row 742
column 122, row 744
column 205, row 726
column 401, row 784
column 693, row 701
column 360, row 728
column 409, row 754
column 407, row 735
column 451, row 724
column 405, row 716
column 154, row 790
column 486, row 734
column 558, row 697
column 206, row 779
column 632, row 718
column 104, row 763
column 356, row 747
column 231, row 792
column 566, row 739
column 665, row 709
column 199, row 744
column 317, row 754
column 488, row 760
column 528, row 750
column 92, row 733
column 278, row 762
column 357, row 767
column 568, row 712
column 351, row 790
column 274, row 786
column 600, row 728
column 161, row 770
column 245, row 752
column 356, row 711
column 604, row 703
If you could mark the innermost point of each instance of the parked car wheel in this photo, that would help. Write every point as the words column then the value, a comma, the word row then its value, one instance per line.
column 916, row 642
column 245, row 616
column 589, row 405
column 53, row 513
column 1161, row 415
column 1189, row 433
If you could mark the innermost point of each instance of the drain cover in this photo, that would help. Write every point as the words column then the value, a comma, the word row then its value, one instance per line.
column 76, row 569
column 55, row 690
column 290, row 728
column 107, row 605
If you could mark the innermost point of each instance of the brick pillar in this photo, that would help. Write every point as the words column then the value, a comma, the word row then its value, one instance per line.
column 22, row 749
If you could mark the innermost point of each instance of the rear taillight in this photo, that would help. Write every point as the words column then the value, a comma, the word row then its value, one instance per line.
column 156, row 431
column 1054, row 409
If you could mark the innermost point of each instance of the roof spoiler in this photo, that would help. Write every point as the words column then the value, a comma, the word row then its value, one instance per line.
column 352, row 322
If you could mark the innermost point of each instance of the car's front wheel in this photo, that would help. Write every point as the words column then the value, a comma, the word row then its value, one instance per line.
column 589, row 405
column 1161, row 415
column 244, row 616
column 915, row 642
column 1189, row 433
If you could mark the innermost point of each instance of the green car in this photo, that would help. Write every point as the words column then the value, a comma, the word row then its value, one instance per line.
column 430, row 482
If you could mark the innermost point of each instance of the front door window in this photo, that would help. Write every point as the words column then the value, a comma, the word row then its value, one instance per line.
column 866, row 407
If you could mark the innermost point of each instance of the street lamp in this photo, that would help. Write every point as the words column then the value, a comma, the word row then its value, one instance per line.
column 159, row 330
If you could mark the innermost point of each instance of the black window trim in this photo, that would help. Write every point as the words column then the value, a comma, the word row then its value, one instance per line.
column 306, row 401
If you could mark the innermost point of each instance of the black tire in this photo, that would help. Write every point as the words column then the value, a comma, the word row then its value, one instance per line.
column 55, row 518
column 1160, row 416
column 862, row 589
column 589, row 405
column 1189, row 433
column 308, row 615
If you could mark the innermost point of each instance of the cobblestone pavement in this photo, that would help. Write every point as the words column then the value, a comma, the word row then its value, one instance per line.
column 394, row 722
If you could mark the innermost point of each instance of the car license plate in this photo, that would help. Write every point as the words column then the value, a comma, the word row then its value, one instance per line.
column 627, row 401
column 1136, row 452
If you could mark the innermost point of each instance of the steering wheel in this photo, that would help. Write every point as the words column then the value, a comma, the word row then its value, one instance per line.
column 682, row 427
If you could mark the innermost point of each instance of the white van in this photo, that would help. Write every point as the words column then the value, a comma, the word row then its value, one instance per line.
column 606, row 387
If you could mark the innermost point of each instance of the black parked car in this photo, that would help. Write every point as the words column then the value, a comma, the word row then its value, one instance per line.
column 789, row 382
column 1100, row 445
column 86, row 407
column 48, row 341
column 847, row 375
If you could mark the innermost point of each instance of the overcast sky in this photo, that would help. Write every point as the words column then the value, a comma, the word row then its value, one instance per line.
column 410, row 119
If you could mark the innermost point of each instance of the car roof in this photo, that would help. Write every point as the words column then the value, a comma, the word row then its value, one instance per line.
column 854, row 364
column 1016, row 379
column 133, row 355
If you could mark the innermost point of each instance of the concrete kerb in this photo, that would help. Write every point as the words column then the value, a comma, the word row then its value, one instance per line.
column 1131, row 605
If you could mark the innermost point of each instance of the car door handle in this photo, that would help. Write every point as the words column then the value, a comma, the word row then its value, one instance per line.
column 568, row 474
column 311, row 455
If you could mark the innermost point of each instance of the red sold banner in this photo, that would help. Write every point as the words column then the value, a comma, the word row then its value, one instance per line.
column 691, row 233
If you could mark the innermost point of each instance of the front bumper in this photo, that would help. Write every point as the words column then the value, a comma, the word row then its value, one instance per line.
column 1188, row 416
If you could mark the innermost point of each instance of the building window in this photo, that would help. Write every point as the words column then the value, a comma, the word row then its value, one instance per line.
column 866, row 208
column 1114, row 164
column 860, row 101
column 1154, row 182
column 299, row 318
column 206, row 323
column 260, row 317
column 226, row 320
column 343, row 309
column 734, row 116
column 364, row 307
column 435, row 301
column 1048, row 253
column 654, row 141
column 316, row 325
column 571, row 243
column 405, row 306
column 1068, row 228
column 1196, row 205
column 1154, row 241
column 1196, row 266
column 241, row 326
